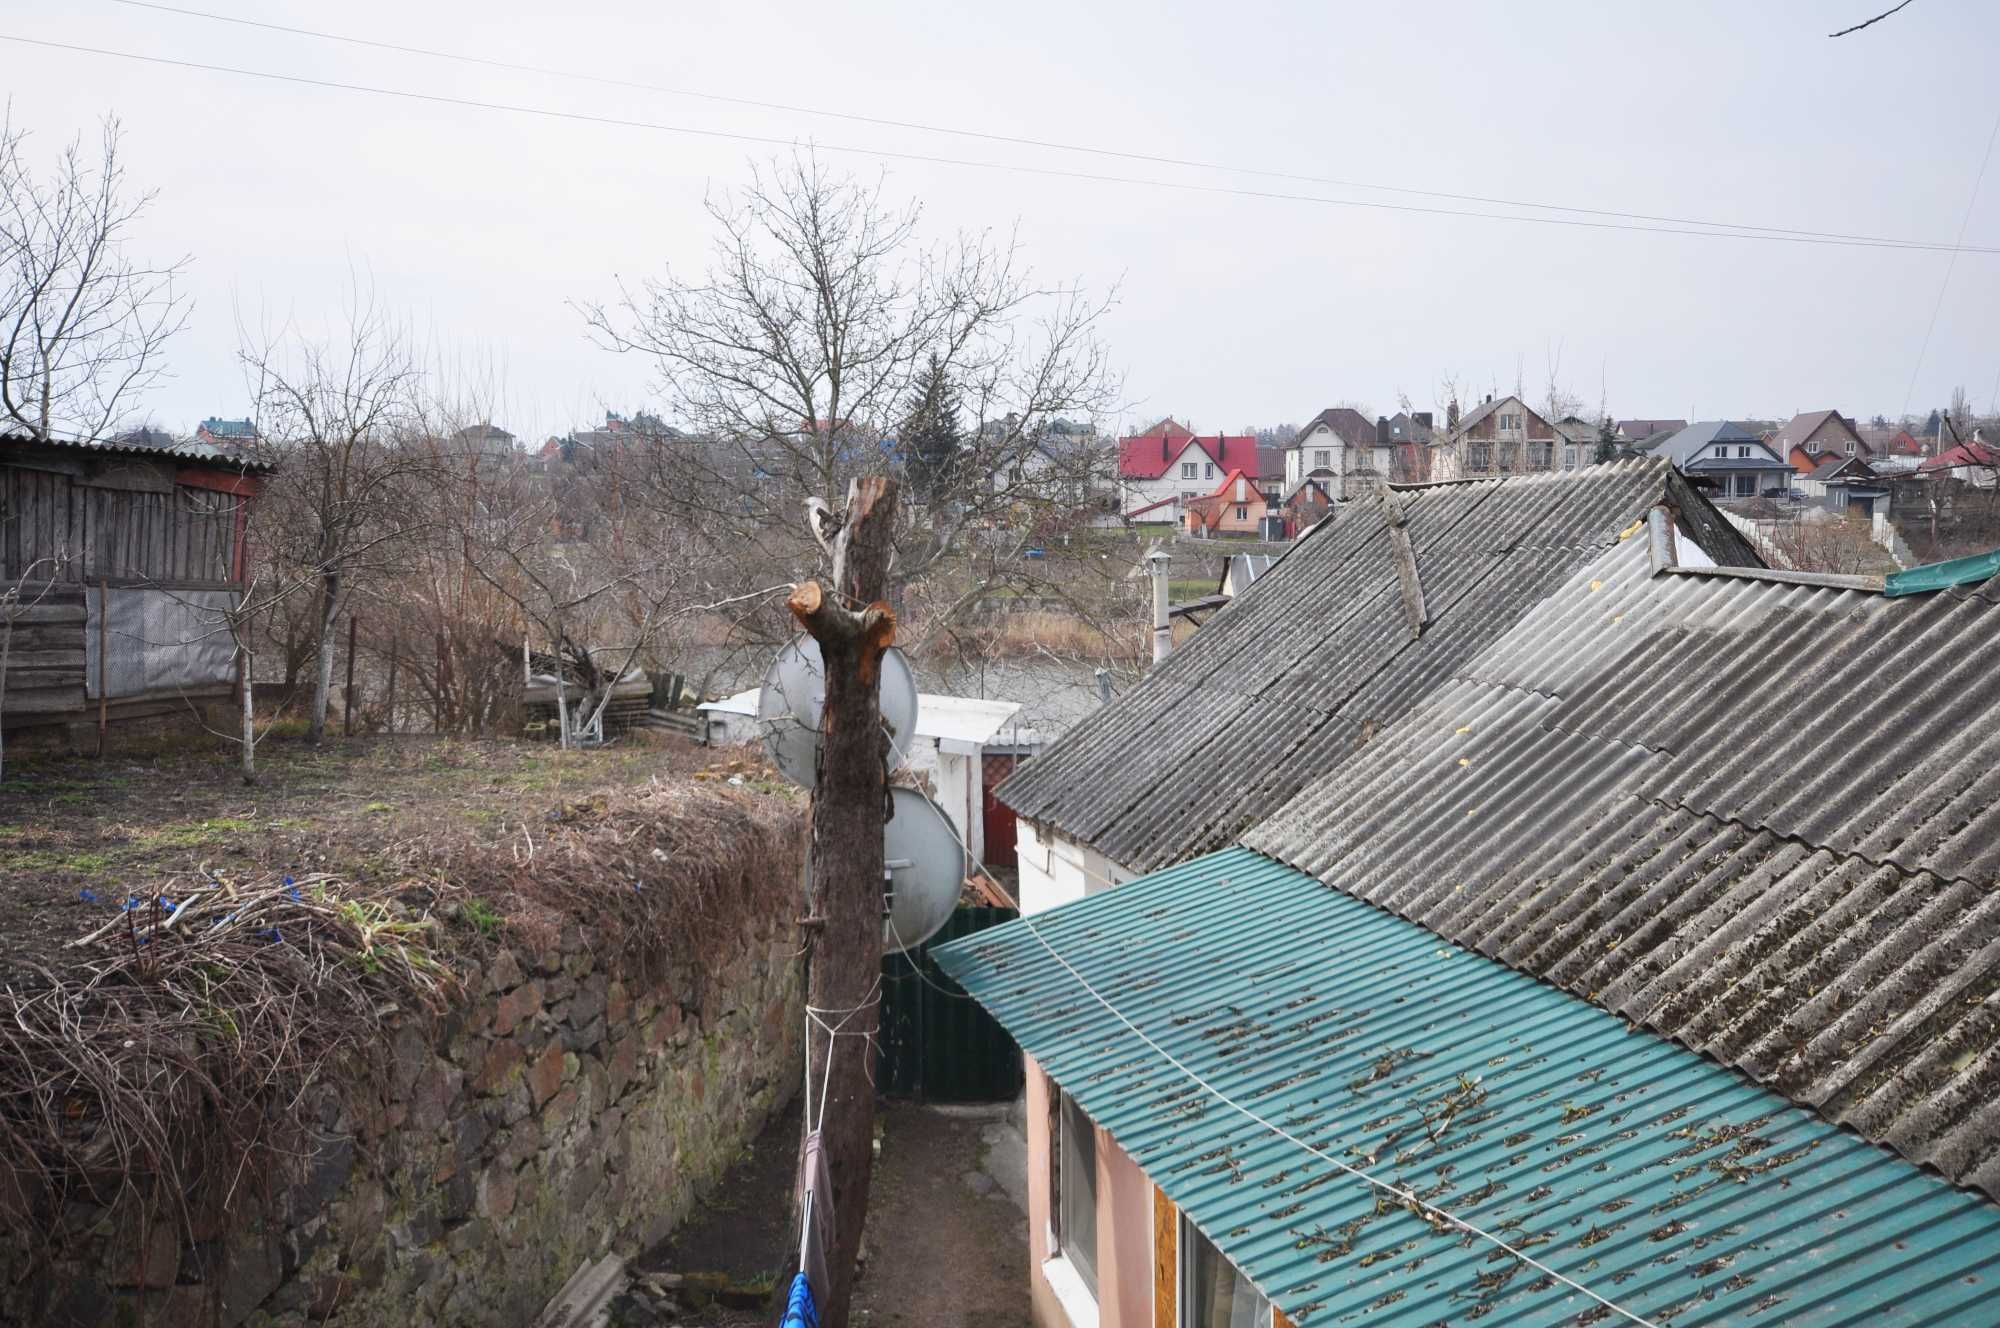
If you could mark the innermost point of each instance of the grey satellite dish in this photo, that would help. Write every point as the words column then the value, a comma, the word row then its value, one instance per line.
column 926, row 867
column 788, row 708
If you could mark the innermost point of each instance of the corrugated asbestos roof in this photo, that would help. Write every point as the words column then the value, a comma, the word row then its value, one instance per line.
column 190, row 452
column 1280, row 686
column 1665, row 1183
column 1630, row 796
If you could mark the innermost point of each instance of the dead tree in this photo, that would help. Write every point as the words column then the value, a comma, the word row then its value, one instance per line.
column 853, row 626
column 82, row 325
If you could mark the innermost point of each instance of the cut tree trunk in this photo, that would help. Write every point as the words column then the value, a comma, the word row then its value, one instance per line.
column 850, row 800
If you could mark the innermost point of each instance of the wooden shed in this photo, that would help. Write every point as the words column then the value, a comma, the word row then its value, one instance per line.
column 123, row 554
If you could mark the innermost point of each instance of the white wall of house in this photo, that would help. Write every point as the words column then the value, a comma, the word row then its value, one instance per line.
column 1175, row 483
column 1056, row 869
column 1321, row 451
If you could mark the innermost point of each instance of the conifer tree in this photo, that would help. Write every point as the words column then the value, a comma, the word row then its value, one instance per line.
column 931, row 439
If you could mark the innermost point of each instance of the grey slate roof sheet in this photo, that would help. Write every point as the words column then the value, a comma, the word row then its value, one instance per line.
column 1623, row 797
column 1315, row 655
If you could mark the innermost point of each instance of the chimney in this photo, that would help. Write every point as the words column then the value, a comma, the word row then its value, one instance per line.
column 1381, row 430
column 1422, row 417
column 1163, row 634
column 1451, row 415
column 1165, row 455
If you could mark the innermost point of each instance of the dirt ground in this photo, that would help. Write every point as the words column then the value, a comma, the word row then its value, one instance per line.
column 946, row 1243
column 78, row 836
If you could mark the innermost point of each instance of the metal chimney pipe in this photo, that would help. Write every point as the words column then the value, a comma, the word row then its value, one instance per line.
column 1163, row 634
column 1103, row 686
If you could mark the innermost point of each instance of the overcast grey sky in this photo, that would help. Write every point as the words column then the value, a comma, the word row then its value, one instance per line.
column 480, row 226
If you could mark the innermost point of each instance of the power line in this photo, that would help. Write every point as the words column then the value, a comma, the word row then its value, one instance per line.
column 989, row 137
column 1945, row 285
column 1272, row 1127
column 621, row 122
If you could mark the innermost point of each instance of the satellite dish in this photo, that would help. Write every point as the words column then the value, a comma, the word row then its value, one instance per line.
column 926, row 865
column 788, row 708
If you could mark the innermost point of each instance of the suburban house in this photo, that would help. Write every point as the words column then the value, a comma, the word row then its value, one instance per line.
column 1579, row 441
column 1503, row 437
column 1891, row 442
column 1237, row 507
column 1976, row 463
column 1507, row 981
column 1302, row 506
column 1271, row 471
column 1159, row 472
column 1335, row 446
column 1848, row 486
column 1728, row 460
column 1807, row 440
column 1637, row 431
column 128, row 558
column 226, row 435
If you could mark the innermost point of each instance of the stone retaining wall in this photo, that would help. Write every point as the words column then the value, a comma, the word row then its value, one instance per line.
column 555, row 1114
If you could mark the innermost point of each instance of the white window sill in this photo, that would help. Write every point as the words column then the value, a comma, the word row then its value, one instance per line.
column 1075, row 1298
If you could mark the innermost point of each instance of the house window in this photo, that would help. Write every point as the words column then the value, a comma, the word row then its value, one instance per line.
column 1850, row 448
column 1721, row 453
column 1569, row 456
column 1746, row 486
column 1322, row 459
column 1812, row 448
column 1214, row 1292
column 1743, row 452
column 1208, row 471
column 1187, row 470
column 1541, row 456
column 1075, row 1188
column 1242, row 512
column 1479, row 456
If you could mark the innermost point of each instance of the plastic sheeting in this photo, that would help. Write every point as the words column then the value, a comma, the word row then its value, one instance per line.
column 158, row 641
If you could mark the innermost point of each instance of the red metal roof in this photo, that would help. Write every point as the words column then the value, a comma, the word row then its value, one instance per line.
column 1148, row 456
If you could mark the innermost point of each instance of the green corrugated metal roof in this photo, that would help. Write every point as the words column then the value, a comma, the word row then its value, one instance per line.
column 1942, row 576
column 1666, row 1183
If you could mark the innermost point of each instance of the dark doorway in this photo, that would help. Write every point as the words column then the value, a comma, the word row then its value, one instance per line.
column 997, row 816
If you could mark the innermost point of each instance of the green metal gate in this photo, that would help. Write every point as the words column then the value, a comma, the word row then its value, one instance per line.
column 938, row 1044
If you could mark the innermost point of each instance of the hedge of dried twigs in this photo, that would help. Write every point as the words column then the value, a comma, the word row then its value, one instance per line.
column 178, row 1044
column 664, row 876
column 176, row 1053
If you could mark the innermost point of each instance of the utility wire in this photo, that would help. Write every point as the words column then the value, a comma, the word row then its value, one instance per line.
column 1394, row 1191
column 621, row 122
column 1945, row 285
column 984, row 136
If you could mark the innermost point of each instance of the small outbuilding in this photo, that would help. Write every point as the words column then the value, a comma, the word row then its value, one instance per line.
column 119, row 562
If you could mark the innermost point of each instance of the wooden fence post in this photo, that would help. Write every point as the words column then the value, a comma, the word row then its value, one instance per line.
column 103, row 660
column 395, row 650
column 347, row 712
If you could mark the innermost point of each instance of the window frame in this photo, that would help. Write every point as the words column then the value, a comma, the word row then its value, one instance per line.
column 1188, row 1239
column 1322, row 458
column 1062, row 1247
column 1188, row 469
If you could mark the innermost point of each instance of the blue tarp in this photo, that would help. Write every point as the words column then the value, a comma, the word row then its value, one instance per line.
column 800, row 1312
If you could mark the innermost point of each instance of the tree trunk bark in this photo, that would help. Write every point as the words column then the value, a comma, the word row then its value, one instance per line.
column 329, row 611
column 249, row 697
column 849, row 808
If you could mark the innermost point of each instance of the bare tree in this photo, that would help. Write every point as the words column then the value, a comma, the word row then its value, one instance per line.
column 795, row 360
column 82, row 324
column 334, row 416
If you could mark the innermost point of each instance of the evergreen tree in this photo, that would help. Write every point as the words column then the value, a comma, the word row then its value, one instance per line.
column 1607, row 441
column 931, row 439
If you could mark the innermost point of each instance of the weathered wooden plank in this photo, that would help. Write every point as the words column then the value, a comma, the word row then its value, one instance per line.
column 43, row 700
column 130, row 477
column 18, row 658
column 49, row 613
column 43, row 636
column 1166, row 1265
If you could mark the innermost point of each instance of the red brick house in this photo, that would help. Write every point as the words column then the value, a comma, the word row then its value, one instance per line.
column 1237, row 507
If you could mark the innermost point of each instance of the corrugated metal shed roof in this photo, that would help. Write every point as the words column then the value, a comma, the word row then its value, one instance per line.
column 1315, row 654
column 189, row 452
column 1661, row 1181
column 1628, row 797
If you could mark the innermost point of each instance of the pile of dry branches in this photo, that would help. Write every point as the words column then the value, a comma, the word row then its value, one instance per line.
column 663, row 877
column 187, row 1041
column 173, row 1055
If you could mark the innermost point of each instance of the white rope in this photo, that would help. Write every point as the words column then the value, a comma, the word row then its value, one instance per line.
column 819, row 1016
column 1282, row 1133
